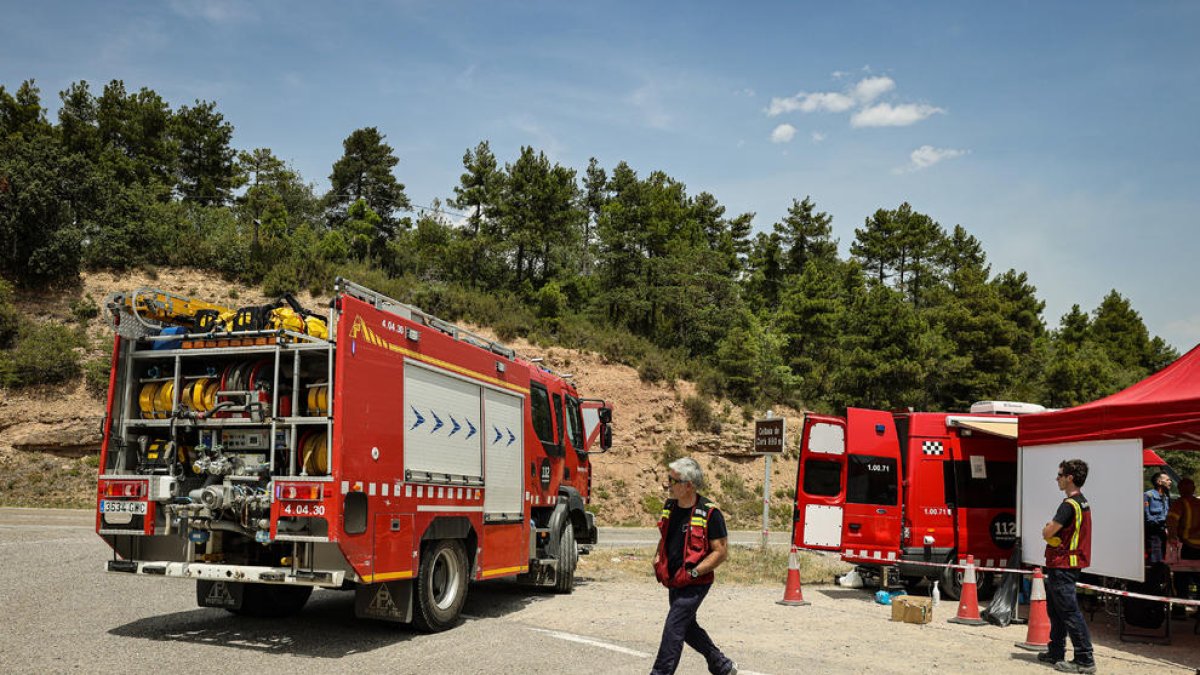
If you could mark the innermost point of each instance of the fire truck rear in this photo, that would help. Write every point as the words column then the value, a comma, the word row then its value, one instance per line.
column 893, row 490
column 266, row 451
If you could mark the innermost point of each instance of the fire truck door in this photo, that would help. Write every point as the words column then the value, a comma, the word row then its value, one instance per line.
column 820, row 484
column 872, row 513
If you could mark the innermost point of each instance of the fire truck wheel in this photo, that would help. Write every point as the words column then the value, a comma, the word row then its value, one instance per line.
column 568, row 557
column 272, row 600
column 441, row 585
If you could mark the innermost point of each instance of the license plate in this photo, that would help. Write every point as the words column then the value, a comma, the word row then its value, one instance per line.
column 135, row 508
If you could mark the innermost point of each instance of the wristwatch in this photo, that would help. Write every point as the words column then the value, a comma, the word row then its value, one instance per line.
column 693, row 573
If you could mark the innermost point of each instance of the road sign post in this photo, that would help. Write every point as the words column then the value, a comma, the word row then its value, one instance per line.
column 769, row 437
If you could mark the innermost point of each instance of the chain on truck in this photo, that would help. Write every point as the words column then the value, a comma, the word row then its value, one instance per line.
column 890, row 490
column 266, row 451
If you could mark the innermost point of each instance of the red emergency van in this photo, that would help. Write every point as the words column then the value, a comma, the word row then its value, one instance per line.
column 892, row 489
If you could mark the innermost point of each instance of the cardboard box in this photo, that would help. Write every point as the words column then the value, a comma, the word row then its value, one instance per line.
column 912, row 609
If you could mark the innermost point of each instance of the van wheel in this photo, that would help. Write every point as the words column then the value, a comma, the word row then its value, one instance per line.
column 951, row 587
column 952, row 580
column 272, row 600
column 441, row 585
column 568, row 558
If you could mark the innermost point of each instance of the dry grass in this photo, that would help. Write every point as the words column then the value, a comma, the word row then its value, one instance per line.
column 745, row 565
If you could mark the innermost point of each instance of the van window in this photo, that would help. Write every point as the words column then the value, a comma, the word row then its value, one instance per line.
column 998, row 490
column 822, row 478
column 871, row 480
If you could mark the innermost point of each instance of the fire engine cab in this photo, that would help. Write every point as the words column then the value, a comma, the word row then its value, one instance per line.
column 890, row 489
column 265, row 451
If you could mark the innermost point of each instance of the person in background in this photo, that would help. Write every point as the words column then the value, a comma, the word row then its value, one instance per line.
column 1068, row 550
column 1156, row 502
column 1183, row 525
column 693, row 543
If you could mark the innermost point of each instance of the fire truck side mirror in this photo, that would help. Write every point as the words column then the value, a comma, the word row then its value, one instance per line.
column 605, row 437
column 605, row 414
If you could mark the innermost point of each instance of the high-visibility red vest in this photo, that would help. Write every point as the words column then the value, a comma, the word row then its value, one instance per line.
column 695, row 546
column 1071, row 548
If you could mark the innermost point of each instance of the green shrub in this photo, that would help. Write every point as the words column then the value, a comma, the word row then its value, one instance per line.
column 10, row 318
column 652, row 504
column 44, row 354
column 95, row 375
column 84, row 309
column 671, row 451
column 651, row 370
column 699, row 414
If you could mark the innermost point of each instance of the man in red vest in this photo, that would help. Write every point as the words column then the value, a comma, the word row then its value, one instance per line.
column 1068, row 550
column 693, row 542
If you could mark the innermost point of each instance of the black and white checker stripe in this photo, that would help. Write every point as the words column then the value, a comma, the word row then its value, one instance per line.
column 932, row 448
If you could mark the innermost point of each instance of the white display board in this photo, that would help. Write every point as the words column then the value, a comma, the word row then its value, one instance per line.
column 1113, row 489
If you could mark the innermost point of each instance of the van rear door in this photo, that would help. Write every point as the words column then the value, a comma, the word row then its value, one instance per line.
column 820, row 484
column 871, row 530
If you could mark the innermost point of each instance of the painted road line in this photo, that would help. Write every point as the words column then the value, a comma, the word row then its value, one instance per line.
column 570, row 637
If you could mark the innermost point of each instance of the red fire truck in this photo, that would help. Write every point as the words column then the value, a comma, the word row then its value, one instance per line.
column 891, row 489
column 267, row 451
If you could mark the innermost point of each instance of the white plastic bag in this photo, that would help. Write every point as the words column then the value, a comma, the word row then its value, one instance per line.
column 851, row 580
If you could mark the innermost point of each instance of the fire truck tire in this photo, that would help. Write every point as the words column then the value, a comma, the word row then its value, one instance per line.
column 441, row 585
column 271, row 600
column 568, row 558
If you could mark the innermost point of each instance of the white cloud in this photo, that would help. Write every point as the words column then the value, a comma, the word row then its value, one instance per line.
column 825, row 101
column 784, row 133
column 817, row 137
column 866, row 90
column 887, row 115
column 927, row 155
column 871, row 88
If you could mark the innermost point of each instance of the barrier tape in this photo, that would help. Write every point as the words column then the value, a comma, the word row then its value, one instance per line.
column 962, row 566
column 1080, row 584
column 1131, row 594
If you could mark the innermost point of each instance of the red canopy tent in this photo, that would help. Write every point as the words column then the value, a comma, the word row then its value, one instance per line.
column 1163, row 410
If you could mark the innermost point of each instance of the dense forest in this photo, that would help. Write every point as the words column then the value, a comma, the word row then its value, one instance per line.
column 620, row 260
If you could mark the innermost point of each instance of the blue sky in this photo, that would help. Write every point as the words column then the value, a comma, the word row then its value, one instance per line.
column 1063, row 135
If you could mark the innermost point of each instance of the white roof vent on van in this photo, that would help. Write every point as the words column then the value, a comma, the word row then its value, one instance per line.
column 1006, row 407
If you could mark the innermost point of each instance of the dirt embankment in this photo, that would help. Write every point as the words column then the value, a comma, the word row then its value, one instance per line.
column 49, row 436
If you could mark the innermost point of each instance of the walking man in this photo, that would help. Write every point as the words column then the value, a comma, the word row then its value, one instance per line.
column 1068, row 550
column 693, row 542
column 1156, row 502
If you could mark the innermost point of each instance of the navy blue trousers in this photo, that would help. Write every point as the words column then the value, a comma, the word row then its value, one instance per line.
column 681, row 627
column 1065, row 617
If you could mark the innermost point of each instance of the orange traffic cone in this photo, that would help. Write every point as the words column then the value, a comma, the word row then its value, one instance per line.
column 1038, row 636
column 792, row 595
column 968, row 599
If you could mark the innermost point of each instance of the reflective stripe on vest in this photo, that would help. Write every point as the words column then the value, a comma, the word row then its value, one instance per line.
column 1075, row 535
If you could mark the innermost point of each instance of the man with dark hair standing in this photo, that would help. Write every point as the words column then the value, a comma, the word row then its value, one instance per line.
column 693, row 543
column 1068, row 550
column 1156, row 503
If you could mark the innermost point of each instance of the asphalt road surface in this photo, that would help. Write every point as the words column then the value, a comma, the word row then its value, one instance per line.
column 62, row 613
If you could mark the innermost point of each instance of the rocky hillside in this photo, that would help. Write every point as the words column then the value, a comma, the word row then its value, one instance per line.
column 49, row 438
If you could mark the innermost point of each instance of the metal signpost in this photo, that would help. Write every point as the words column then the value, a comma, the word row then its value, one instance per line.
column 769, row 437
